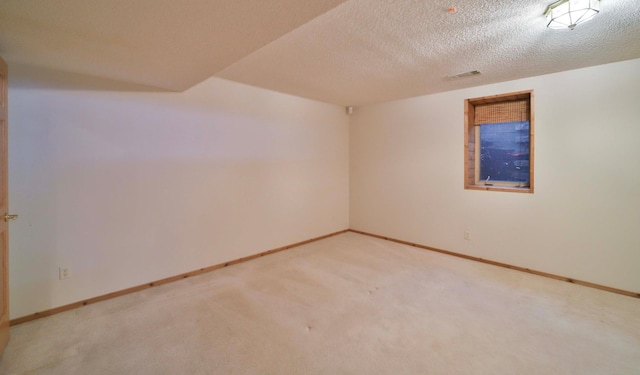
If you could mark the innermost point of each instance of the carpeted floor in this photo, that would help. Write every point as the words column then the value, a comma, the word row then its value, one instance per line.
column 349, row 304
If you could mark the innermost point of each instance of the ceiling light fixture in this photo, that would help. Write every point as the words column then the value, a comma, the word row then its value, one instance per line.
column 570, row 13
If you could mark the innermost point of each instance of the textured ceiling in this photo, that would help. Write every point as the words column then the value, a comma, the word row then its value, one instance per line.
column 349, row 52
column 163, row 43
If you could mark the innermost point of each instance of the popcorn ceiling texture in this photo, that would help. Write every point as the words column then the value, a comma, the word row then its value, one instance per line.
column 344, row 52
column 368, row 51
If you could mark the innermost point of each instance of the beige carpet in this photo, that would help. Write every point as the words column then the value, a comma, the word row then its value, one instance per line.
column 349, row 304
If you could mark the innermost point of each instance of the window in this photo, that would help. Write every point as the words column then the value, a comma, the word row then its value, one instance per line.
column 498, row 145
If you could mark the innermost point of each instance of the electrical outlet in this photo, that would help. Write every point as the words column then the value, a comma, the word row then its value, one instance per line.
column 467, row 235
column 63, row 273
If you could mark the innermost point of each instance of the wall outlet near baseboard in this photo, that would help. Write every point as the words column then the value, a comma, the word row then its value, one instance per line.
column 467, row 235
column 64, row 273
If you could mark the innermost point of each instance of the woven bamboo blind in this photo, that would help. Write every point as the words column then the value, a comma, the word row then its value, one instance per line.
column 494, row 113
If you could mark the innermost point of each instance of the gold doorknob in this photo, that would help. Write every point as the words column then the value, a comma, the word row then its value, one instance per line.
column 8, row 217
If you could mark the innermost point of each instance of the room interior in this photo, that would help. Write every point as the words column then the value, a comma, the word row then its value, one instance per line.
column 151, row 139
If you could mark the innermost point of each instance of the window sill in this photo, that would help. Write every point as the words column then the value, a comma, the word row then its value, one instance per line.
column 511, row 189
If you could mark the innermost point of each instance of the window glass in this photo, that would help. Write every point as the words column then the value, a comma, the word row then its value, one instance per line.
column 504, row 152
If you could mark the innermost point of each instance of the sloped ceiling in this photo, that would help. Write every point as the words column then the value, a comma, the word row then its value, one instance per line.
column 349, row 52
column 168, row 44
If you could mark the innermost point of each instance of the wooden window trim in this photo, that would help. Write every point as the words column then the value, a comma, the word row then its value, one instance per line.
column 470, row 178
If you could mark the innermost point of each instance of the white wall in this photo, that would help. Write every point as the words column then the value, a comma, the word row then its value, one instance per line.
column 126, row 186
column 584, row 217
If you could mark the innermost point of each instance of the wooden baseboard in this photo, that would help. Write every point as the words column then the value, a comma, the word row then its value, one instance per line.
column 200, row 271
column 505, row 265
